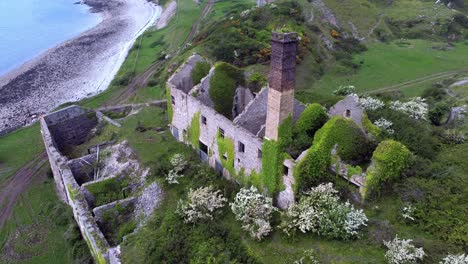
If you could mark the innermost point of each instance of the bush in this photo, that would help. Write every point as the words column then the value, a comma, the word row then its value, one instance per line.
column 200, row 70
column 340, row 131
column 401, row 251
column 201, row 205
column 256, row 81
column 311, row 120
column 320, row 211
column 223, row 86
column 344, row 90
column 389, row 160
column 254, row 211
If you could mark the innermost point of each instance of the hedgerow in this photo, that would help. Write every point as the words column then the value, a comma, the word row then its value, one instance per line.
column 340, row 131
column 194, row 130
column 200, row 70
column 170, row 111
column 389, row 161
column 223, row 85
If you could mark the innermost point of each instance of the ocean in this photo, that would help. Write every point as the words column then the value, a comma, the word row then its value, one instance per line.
column 30, row 27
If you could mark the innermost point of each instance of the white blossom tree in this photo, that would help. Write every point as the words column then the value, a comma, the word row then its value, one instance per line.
column 385, row 125
column 254, row 211
column 179, row 163
column 320, row 211
column 401, row 251
column 416, row 108
column 201, row 204
column 455, row 259
column 371, row 104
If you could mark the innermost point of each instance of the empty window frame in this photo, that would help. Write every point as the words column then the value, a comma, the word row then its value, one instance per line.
column 241, row 147
column 203, row 120
column 221, row 132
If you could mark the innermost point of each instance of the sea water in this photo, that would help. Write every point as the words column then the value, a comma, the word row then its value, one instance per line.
column 30, row 27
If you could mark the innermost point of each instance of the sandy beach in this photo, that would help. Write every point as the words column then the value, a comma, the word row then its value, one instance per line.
column 78, row 68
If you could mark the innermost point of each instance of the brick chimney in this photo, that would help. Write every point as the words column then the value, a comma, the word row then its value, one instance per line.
column 282, row 81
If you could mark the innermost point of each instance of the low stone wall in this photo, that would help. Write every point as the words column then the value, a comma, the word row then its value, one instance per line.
column 83, row 168
column 68, row 188
column 99, row 211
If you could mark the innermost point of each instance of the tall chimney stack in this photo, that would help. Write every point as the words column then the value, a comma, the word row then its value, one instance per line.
column 281, row 81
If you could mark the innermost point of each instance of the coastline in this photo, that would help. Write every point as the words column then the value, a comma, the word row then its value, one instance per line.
column 77, row 68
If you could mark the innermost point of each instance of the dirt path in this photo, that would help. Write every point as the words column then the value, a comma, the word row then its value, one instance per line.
column 418, row 80
column 195, row 25
column 17, row 184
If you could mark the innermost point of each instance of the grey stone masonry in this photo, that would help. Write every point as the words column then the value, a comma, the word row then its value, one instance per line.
column 349, row 108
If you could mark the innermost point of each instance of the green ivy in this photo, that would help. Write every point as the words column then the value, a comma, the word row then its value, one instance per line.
column 371, row 129
column 314, row 166
column 199, row 71
column 223, row 85
column 311, row 120
column 389, row 160
column 194, row 130
column 273, row 155
column 226, row 146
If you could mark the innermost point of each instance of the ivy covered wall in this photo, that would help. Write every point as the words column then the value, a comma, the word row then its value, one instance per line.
column 351, row 145
column 194, row 130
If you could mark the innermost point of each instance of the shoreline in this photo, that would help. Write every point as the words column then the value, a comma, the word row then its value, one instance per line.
column 75, row 69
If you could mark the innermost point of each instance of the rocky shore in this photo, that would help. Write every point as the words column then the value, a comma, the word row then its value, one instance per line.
column 78, row 68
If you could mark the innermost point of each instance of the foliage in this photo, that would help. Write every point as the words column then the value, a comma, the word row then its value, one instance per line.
column 179, row 163
column 345, row 90
column 408, row 212
column 201, row 204
column 226, row 153
column 313, row 118
column 256, row 81
column 338, row 130
column 389, row 161
column 375, row 132
column 437, row 112
column 455, row 259
column 384, row 125
column 107, row 190
column 199, row 71
column 194, row 130
column 223, row 86
column 371, row 104
column 416, row 108
column 453, row 136
column 320, row 211
column 254, row 211
column 401, row 251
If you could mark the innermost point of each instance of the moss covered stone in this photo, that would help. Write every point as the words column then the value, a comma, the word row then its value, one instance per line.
column 389, row 160
column 342, row 132
column 311, row 120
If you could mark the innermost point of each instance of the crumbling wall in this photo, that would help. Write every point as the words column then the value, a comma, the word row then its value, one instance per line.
column 83, row 168
column 69, row 191
column 185, row 107
column 349, row 108
column 70, row 126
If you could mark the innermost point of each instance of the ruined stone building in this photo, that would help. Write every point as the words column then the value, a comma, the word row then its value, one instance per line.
column 255, row 116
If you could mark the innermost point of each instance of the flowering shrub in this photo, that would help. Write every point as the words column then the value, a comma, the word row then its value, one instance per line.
column 402, row 251
column 320, row 211
column 254, row 211
column 453, row 136
column 371, row 104
column 407, row 212
column 201, row 204
column 385, row 125
column 416, row 108
column 345, row 90
column 179, row 164
column 455, row 259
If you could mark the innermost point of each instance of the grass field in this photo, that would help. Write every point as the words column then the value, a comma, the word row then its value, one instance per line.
column 385, row 65
column 17, row 148
column 32, row 236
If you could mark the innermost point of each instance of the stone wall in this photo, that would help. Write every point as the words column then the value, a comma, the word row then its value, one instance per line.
column 349, row 108
column 186, row 106
column 70, row 192
column 83, row 168
column 70, row 126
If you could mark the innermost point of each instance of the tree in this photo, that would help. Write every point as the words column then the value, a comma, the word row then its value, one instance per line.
column 201, row 204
